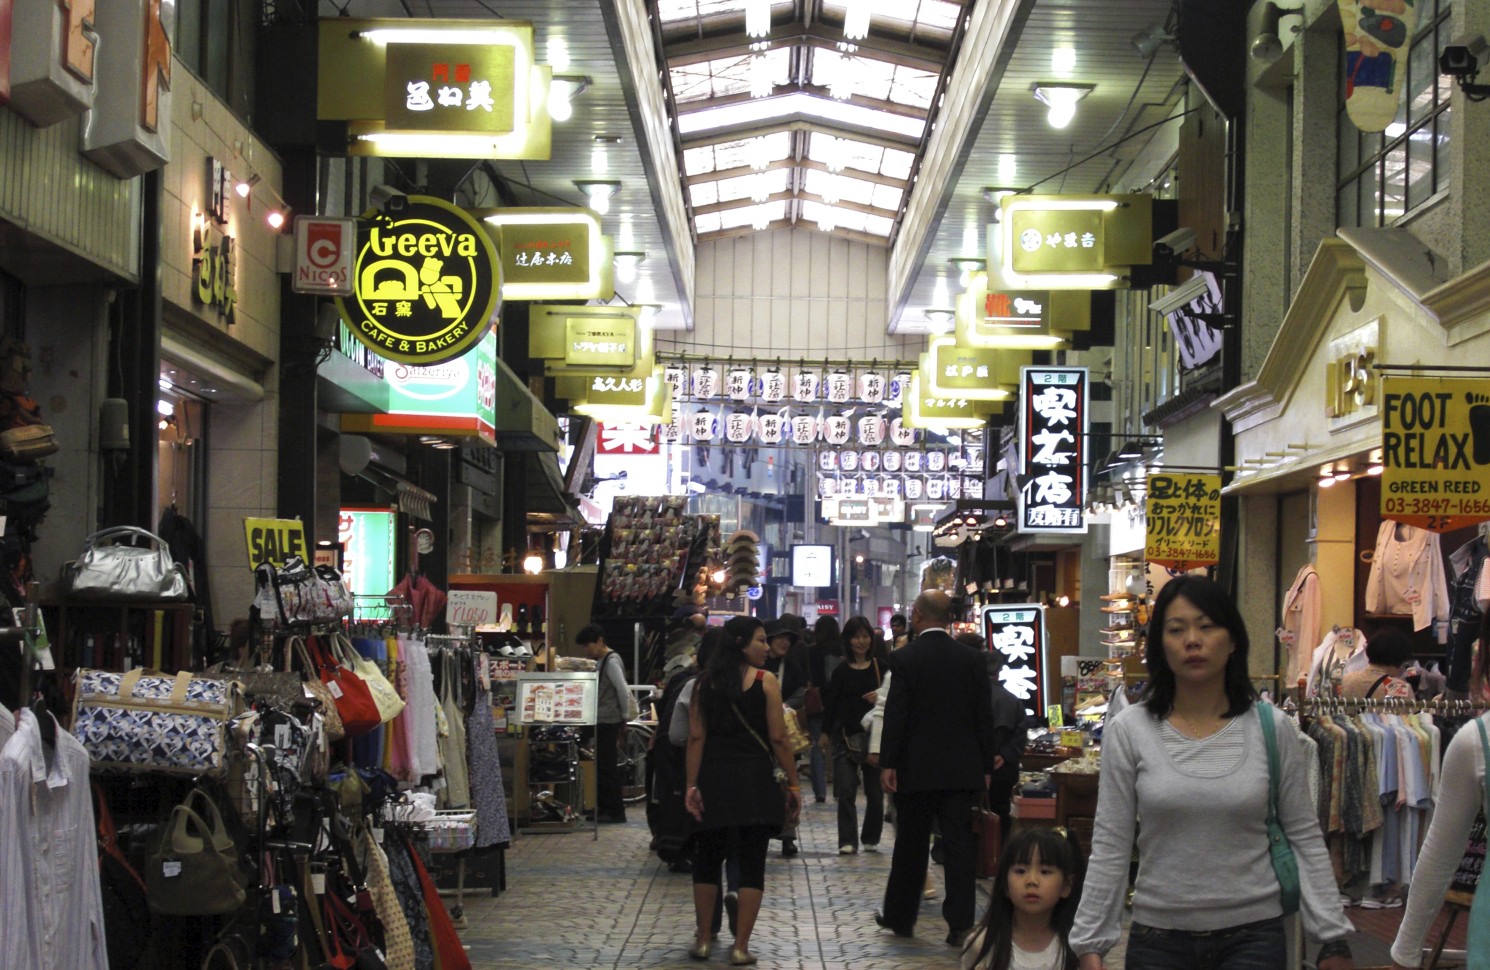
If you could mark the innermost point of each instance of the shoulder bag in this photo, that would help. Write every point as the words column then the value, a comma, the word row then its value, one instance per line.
column 988, row 828
column 349, row 693
column 384, row 694
column 311, row 684
column 857, row 745
column 195, row 870
column 148, row 721
column 796, row 738
column 108, row 569
column 1285, row 865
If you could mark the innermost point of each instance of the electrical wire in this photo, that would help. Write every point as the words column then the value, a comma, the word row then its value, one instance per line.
column 1104, row 149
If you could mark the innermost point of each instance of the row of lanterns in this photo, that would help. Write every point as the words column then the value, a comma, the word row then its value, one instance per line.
column 935, row 488
column 784, row 426
column 707, row 381
column 932, row 460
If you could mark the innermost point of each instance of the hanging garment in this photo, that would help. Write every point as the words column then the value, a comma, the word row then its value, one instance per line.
column 1301, row 620
column 7, row 725
column 410, row 895
column 1467, row 564
column 53, row 913
column 457, row 790
column 1340, row 652
column 398, row 944
column 1407, row 576
column 427, row 600
column 449, row 954
column 423, row 713
column 492, row 827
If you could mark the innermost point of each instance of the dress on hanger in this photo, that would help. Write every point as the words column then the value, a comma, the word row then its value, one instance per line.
column 1301, row 619
column 1407, row 575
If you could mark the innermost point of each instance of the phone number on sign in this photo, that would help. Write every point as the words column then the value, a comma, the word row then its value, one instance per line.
column 1402, row 505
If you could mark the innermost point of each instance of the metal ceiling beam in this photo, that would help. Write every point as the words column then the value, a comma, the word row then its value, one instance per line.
column 876, row 104
column 880, row 139
column 868, row 210
column 900, row 53
column 805, row 163
column 839, row 231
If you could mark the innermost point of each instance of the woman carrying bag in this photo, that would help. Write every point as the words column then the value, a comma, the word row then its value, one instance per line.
column 852, row 691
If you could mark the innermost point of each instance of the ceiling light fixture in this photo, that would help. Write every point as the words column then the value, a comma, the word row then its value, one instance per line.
column 761, row 84
column 598, row 192
column 1063, row 60
column 277, row 218
column 837, row 154
column 626, row 265
column 758, row 154
column 757, row 18
column 825, row 220
column 841, row 80
column 830, row 190
column 856, row 19
column 1061, row 99
column 1326, row 478
column 966, row 266
column 561, row 94
column 941, row 318
column 760, row 187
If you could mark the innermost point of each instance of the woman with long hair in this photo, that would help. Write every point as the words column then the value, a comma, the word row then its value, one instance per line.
column 823, row 653
column 736, row 730
column 851, row 693
column 1192, row 762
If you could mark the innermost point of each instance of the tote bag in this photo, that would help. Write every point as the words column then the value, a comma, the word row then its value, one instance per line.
column 384, row 694
column 354, row 702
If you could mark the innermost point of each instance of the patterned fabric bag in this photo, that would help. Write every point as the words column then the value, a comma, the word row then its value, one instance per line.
column 148, row 721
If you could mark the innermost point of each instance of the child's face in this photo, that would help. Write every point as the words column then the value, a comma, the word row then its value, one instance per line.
column 1036, row 887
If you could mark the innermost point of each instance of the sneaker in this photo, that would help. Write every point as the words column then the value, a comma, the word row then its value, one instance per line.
column 871, row 846
column 846, row 849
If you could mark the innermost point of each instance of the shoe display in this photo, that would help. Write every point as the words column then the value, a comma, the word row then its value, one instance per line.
column 535, row 616
column 788, row 848
column 880, row 921
column 732, row 910
column 522, row 620
column 741, row 958
column 504, row 622
column 847, row 850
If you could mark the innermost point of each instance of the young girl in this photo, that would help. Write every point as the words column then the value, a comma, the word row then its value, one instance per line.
column 1033, row 903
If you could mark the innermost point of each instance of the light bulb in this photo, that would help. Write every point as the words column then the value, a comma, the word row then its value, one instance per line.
column 276, row 219
column 533, row 564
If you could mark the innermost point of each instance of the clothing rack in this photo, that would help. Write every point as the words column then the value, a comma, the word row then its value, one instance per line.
column 1318, row 706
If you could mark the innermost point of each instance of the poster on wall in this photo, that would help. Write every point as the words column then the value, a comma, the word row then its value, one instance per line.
column 1435, row 451
column 1052, row 449
column 565, row 698
column 1018, row 632
column 1183, row 511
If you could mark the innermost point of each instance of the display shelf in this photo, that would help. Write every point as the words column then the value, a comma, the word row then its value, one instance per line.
column 118, row 635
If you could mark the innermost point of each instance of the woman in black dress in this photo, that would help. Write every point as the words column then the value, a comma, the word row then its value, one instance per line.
column 736, row 729
column 851, row 694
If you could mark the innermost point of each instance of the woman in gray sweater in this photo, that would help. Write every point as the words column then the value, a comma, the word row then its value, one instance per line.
column 1190, row 761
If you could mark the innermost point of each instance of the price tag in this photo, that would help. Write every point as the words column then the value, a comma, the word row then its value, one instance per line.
column 334, row 689
column 378, row 834
column 170, row 868
column 282, row 736
column 274, row 902
column 318, row 883
column 1072, row 739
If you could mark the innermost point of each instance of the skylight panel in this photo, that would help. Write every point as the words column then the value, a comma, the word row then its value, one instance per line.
column 762, row 110
column 706, row 223
column 699, row 161
column 839, row 188
column 674, row 10
column 878, row 225
column 897, row 164
column 887, row 197
column 725, row 76
column 702, row 194
column 937, row 14
column 749, row 215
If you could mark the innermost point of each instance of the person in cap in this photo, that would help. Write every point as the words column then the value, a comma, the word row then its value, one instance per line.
column 791, row 671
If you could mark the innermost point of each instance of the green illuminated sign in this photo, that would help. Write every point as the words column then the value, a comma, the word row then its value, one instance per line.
column 368, row 536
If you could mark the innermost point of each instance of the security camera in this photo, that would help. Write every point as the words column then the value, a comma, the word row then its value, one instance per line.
column 1182, row 240
column 1460, row 60
column 388, row 199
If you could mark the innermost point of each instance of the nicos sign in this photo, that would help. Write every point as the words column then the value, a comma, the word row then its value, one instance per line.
column 323, row 255
column 425, row 283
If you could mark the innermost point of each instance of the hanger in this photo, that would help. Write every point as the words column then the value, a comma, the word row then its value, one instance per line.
column 46, row 723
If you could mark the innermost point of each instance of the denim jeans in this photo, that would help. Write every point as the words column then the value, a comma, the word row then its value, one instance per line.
column 1254, row 946
column 815, row 757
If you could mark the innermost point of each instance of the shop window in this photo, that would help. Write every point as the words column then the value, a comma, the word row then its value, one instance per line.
column 204, row 34
column 1383, row 176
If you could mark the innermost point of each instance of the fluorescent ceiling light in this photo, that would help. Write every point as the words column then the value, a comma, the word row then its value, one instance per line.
column 757, row 18
column 1061, row 99
column 856, row 19
column 798, row 103
column 599, row 192
column 1063, row 60
column 626, row 265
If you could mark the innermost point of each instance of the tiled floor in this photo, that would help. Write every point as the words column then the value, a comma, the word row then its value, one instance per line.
column 575, row 902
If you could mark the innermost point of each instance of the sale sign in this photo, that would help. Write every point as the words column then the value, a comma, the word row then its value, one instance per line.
column 1183, row 512
column 1435, row 451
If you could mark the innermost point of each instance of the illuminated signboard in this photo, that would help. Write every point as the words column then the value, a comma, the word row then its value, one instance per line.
column 605, row 341
column 426, row 283
column 975, row 373
column 368, row 538
column 1073, row 242
column 812, row 565
column 1435, row 449
column 449, row 87
column 455, row 398
column 549, row 253
column 1052, row 449
column 1018, row 632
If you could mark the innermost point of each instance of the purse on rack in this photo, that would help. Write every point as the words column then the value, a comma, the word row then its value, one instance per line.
column 195, row 870
column 148, row 721
column 312, row 685
column 384, row 694
column 349, row 694
column 109, row 569
column 988, row 829
column 1285, row 865
column 281, row 689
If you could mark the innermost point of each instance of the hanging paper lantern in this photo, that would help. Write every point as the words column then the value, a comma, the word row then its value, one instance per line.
column 836, row 429
column 892, row 460
column 899, row 384
column 773, row 386
column 827, row 460
column 804, row 429
column 848, row 460
column 703, row 425
column 914, row 460
column 914, row 488
column 705, row 381
column 804, row 384
column 827, row 486
column 954, row 486
column 872, row 487
column 935, row 489
column 676, row 376
column 871, row 386
column 900, row 435
column 737, row 383
column 890, row 486
column 768, row 427
column 869, row 461
column 936, row 460
column 672, row 432
column 872, row 429
column 838, row 387
column 738, row 426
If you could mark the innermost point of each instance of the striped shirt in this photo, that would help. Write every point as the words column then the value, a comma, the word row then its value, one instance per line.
column 1208, row 757
column 53, row 913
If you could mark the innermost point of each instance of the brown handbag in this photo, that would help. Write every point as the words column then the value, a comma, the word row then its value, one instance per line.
column 988, row 829
column 812, row 700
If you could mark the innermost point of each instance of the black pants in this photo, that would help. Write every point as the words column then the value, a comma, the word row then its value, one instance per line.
column 1001, row 798
column 608, row 799
column 914, row 812
column 712, row 847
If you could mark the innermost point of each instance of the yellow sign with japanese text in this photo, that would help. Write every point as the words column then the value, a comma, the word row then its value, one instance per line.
column 1184, row 520
column 274, row 540
column 1435, row 451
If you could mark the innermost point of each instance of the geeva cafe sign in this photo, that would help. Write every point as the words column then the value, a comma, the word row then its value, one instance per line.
column 426, row 283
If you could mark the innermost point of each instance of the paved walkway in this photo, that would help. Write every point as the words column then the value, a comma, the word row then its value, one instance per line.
column 576, row 902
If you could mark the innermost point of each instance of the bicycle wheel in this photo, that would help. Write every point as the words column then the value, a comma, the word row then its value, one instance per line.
column 633, row 762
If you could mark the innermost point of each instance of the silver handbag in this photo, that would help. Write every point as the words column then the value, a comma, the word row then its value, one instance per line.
column 110, row 570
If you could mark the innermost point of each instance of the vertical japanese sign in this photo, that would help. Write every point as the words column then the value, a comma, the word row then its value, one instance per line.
column 368, row 537
column 1184, row 520
column 1435, row 451
column 1052, row 449
column 1018, row 632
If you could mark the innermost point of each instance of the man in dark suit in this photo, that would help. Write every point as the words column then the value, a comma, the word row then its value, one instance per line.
column 936, row 756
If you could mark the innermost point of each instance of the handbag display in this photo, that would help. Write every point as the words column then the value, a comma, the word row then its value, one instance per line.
column 349, row 694
column 988, row 829
column 28, row 442
column 1285, row 865
column 294, row 594
column 311, row 684
column 195, row 870
column 148, row 721
column 107, row 569
column 281, row 689
column 384, row 694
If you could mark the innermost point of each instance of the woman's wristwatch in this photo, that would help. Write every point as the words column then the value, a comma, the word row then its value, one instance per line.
column 1335, row 948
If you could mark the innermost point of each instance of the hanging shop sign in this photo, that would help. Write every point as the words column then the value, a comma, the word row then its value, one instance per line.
column 1184, row 520
column 441, row 88
column 555, row 330
column 1071, row 242
column 626, row 438
column 1019, row 319
column 1197, row 341
column 976, row 373
column 324, row 249
column 625, row 398
column 274, row 540
column 1052, row 449
column 1018, row 632
column 426, row 283
column 1435, row 451
column 602, row 341
column 549, row 253
column 109, row 62
column 457, row 398
column 368, row 537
